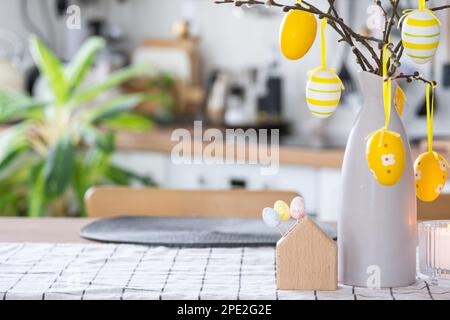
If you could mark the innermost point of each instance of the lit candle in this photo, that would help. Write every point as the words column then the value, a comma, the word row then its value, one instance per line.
column 443, row 247
column 434, row 249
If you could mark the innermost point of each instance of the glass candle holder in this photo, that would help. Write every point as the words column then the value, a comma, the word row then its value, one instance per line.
column 434, row 250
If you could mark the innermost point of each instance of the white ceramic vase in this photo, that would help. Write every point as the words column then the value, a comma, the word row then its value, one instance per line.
column 376, row 223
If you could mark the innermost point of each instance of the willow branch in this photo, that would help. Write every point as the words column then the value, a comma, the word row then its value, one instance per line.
column 350, row 33
column 336, row 23
column 397, row 15
column 391, row 21
column 361, row 59
column 440, row 8
column 350, row 37
column 396, row 53
column 416, row 76
column 385, row 14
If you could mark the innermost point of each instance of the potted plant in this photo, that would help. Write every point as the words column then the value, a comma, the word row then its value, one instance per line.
column 53, row 150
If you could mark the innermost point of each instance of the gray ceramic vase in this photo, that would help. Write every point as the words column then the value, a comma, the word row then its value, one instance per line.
column 376, row 223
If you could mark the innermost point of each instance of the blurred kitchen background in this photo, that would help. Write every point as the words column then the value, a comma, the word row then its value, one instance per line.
column 222, row 65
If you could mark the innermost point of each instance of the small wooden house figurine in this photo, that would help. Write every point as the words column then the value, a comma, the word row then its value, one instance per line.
column 306, row 258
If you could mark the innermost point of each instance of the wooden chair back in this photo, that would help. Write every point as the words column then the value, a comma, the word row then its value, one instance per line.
column 122, row 201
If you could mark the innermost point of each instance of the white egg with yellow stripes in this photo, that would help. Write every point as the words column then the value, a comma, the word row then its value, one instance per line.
column 420, row 35
column 323, row 92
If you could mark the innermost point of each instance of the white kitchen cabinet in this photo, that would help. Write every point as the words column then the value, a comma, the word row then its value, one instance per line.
column 146, row 163
column 319, row 187
column 329, row 188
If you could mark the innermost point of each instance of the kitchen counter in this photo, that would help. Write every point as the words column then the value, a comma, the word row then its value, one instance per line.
column 43, row 230
column 291, row 153
column 158, row 140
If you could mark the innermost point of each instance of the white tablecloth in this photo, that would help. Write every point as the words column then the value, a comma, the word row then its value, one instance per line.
column 110, row 271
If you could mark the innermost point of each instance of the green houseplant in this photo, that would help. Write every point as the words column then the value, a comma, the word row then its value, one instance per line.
column 57, row 148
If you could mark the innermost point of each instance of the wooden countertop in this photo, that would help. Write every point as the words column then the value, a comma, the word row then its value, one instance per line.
column 49, row 230
column 43, row 230
column 158, row 140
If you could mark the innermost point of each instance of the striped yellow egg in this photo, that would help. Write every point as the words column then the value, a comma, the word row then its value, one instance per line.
column 386, row 160
column 323, row 92
column 430, row 171
column 420, row 36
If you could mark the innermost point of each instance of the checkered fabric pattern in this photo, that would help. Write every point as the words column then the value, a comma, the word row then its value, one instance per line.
column 111, row 271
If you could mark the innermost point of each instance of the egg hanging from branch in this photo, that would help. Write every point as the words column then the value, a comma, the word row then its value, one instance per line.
column 430, row 171
column 323, row 92
column 297, row 33
column 420, row 35
column 386, row 156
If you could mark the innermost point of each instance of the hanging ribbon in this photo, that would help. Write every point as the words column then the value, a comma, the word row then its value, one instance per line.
column 323, row 45
column 430, row 115
column 422, row 7
column 324, row 56
column 422, row 4
column 387, row 96
column 430, row 119
column 387, row 85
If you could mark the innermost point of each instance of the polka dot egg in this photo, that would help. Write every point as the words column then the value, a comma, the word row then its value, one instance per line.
column 430, row 171
column 420, row 35
column 386, row 157
column 323, row 92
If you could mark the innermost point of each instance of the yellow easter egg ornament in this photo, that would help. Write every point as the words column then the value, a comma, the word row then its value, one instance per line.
column 385, row 154
column 420, row 34
column 323, row 92
column 399, row 100
column 297, row 33
column 430, row 171
column 283, row 210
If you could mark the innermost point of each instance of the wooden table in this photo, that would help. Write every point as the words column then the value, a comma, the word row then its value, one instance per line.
column 58, row 264
column 40, row 230
column 47, row 230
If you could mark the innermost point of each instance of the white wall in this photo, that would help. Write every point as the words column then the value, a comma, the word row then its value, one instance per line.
column 229, row 40
column 233, row 42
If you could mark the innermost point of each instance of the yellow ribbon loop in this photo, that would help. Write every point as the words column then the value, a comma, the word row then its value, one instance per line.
column 430, row 114
column 387, row 85
column 422, row 4
column 323, row 66
column 430, row 119
column 324, row 46
column 422, row 7
column 387, row 92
